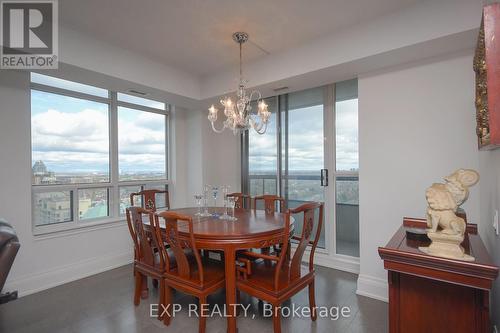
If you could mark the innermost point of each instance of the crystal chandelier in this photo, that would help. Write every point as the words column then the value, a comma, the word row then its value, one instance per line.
column 238, row 114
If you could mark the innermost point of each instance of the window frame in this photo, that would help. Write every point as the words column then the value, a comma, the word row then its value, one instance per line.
column 330, row 156
column 114, row 184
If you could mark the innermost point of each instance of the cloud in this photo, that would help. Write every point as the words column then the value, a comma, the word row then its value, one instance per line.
column 84, row 131
column 79, row 140
column 141, row 133
column 306, row 140
column 141, row 141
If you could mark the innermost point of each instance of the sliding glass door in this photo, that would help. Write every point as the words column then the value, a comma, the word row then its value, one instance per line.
column 310, row 153
column 346, row 169
column 303, row 149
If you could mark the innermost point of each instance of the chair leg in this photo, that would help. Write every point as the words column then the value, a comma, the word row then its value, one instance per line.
column 138, row 288
column 144, row 287
column 238, row 302
column 312, row 301
column 203, row 316
column 276, row 319
column 167, row 299
column 161, row 301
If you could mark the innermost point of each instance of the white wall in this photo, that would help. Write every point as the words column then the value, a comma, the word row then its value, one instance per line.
column 221, row 156
column 489, row 168
column 202, row 157
column 416, row 125
column 187, row 156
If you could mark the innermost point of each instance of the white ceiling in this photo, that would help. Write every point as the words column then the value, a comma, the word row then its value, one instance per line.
column 195, row 35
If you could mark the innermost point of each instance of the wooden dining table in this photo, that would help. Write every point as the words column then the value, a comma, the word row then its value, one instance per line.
column 252, row 229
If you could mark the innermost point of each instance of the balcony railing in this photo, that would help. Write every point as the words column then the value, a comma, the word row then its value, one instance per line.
column 303, row 188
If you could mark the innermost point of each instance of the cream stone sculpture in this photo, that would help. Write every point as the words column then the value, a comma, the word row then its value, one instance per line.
column 446, row 229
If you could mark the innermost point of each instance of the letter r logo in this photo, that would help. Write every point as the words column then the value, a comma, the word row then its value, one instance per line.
column 27, row 27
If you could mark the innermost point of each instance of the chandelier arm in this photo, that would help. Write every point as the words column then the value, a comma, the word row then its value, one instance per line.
column 258, row 94
column 257, row 126
column 216, row 130
column 260, row 131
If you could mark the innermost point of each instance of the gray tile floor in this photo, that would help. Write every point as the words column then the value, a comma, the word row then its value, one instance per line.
column 103, row 303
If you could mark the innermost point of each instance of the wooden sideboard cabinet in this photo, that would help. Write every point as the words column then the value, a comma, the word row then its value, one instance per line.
column 431, row 294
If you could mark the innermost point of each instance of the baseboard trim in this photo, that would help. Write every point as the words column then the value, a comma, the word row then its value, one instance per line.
column 34, row 283
column 339, row 262
column 342, row 264
column 373, row 287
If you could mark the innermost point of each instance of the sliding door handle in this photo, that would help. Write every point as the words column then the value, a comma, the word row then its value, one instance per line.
column 324, row 177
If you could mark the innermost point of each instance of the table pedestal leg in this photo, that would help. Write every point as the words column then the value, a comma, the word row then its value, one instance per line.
column 230, row 265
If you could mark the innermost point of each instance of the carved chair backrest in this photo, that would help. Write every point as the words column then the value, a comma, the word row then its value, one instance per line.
column 144, row 242
column 178, row 241
column 305, row 239
column 149, row 198
column 243, row 200
column 270, row 203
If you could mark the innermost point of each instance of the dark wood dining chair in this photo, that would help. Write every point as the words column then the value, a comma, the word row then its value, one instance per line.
column 149, row 198
column 285, row 276
column 199, row 277
column 270, row 203
column 146, row 261
column 243, row 201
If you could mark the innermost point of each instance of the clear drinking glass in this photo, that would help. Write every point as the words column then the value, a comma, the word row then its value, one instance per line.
column 198, row 198
column 231, row 202
column 215, row 193
column 206, row 189
column 225, row 192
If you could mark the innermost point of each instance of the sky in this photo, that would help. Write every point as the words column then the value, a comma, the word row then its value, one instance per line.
column 72, row 135
column 306, row 140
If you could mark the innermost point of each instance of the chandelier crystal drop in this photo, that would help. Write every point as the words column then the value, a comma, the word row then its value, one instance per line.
column 239, row 116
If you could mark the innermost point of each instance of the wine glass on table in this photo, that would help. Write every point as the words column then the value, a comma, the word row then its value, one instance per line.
column 231, row 202
column 215, row 193
column 206, row 189
column 198, row 198
column 225, row 192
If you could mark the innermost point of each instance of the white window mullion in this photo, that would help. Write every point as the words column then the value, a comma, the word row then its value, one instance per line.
column 169, row 138
column 114, row 193
column 74, row 199
column 329, row 155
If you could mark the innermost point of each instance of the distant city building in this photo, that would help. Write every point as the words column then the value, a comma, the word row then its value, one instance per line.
column 54, row 207
column 41, row 175
column 39, row 168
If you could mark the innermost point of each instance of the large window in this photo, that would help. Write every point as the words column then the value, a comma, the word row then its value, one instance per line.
column 263, row 156
column 69, row 138
column 141, row 145
column 91, row 148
